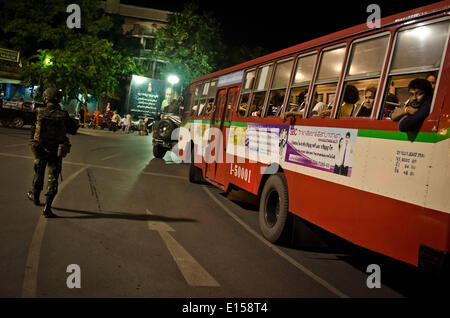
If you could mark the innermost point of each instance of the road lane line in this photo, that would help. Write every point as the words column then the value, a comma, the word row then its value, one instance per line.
column 110, row 157
column 15, row 145
column 29, row 286
column 193, row 272
column 318, row 279
column 87, row 165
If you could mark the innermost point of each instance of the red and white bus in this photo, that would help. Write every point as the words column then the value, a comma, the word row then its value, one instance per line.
column 254, row 126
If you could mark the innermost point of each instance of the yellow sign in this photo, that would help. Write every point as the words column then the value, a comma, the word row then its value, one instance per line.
column 9, row 55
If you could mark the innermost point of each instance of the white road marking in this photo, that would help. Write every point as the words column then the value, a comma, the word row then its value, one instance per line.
column 318, row 279
column 29, row 286
column 15, row 145
column 87, row 165
column 110, row 157
column 193, row 272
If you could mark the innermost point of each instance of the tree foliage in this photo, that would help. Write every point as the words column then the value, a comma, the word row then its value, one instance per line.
column 76, row 60
column 191, row 43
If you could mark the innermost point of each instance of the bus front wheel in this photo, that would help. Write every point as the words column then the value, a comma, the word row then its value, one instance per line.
column 274, row 217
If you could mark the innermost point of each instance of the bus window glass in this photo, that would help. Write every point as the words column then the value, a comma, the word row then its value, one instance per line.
column 248, row 81
column 397, row 93
column 298, row 97
column 257, row 103
column 305, row 68
column 323, row 100
column 204, row 103
column 420, row 48
column 298, row 100
column 324, row 92
column 279, row 84
column 196, row 100
column 230, row 103
column 212, row 90
column 243, row 105
column 331, row 65
column 363, row 73
column 358, row 98
column 418, row 54
column 263, row 77
column 367, row 57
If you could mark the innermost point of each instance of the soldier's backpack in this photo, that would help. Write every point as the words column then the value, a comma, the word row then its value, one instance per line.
column 51, row 128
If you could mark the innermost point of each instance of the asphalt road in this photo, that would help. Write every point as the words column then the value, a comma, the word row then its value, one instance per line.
column 133, row 226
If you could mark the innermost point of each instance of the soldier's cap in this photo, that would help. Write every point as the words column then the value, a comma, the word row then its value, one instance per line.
column 53, row 94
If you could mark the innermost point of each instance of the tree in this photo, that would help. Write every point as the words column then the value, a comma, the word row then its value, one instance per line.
column 79, row 61
column 191, row 43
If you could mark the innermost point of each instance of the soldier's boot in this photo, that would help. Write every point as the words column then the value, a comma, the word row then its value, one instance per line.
column 48, row 213
column 34, row 196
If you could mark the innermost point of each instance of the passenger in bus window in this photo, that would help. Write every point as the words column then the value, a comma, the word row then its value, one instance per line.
column 413, row 114
column 319, row 107
column 390, row 104
column 297, row 109
column 365, row 109
column 351, row 97
column 275, row 103
column 431, row 77
column 257, row 111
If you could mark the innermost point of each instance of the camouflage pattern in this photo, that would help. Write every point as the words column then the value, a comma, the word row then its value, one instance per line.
column 48, row 132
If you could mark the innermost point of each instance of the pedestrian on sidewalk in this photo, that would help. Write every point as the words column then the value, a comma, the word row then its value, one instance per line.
column 127, row 123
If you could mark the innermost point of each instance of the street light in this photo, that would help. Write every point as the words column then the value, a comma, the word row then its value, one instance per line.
column 172, row 79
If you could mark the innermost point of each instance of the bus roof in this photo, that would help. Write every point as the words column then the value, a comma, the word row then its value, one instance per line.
column 397, row 18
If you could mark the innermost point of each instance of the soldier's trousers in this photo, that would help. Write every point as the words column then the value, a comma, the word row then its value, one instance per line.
column 54, row 165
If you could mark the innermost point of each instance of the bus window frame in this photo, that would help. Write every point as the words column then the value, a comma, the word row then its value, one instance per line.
column 269, row 83
column 243, row 92
column 311, row 91
column 270, row 88
column 196, row 99
column 346, row 78
column 388, row 73
column 302, row 84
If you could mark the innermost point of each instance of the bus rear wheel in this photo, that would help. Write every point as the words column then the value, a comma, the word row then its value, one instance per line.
column 274, row 217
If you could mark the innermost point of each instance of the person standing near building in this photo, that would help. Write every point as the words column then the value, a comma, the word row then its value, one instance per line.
column 49, row 145
column 127, row 123
column 96, row 114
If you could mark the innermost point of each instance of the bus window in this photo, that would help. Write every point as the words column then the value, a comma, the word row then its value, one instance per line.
column 211, row 94
column 362, row 77
column 278, row 90
column 196, row 100
column 418, row 54
column 298, row 96
column 259, row 91
column 326, row 82
column 249, row 80
column 204, row 102
column 230, row 103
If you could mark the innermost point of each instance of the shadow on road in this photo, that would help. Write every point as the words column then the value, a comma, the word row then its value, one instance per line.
column 121, row 215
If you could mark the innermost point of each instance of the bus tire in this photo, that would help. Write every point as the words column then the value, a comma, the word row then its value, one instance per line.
column 274, row 216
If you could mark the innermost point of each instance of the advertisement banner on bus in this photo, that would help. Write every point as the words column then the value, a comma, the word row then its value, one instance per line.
column 322, row 148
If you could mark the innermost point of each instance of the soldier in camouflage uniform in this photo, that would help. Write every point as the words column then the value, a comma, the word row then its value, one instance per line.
column 49, row 145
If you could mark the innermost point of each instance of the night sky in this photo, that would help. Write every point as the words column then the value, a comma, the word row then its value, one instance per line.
column 279, row 24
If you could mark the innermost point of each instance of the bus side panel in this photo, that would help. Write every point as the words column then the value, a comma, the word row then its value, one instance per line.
column 388, row 226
